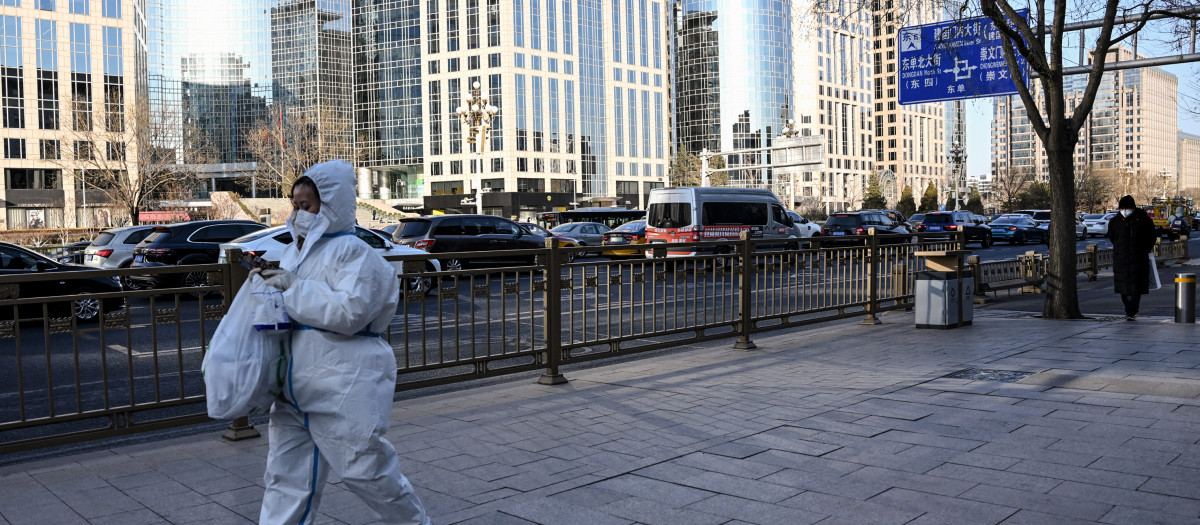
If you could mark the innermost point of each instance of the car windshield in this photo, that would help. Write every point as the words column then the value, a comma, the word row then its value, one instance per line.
column 636, row 226
column 156, row 235
column 413, row 228
column 938, row 218
column 533, row 228
column 1012, row 221
column 670, row 215
column 566, row 228
column 1041, row 216
column 844, row 220
column 1093, row 216
column 916, row 217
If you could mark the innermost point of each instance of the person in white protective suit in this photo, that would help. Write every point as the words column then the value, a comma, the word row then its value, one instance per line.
column 341, row 375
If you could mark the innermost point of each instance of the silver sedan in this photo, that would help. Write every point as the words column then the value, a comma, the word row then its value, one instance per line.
column 587, row 233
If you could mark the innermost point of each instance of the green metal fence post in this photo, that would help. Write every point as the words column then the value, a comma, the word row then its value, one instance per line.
column 552, row 310
column 745, row 294
column 235, row 276
column 872, row 262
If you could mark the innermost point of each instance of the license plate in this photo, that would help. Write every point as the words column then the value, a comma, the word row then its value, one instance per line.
column 89, row 257
column 138, row 258
column 839, row 233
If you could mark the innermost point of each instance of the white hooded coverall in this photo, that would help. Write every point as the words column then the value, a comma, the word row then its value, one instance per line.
column 341, row 375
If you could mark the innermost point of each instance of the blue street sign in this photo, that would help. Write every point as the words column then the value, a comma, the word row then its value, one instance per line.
column 955, row 60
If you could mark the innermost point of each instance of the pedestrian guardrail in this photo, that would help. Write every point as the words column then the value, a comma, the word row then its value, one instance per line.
column 66, row 376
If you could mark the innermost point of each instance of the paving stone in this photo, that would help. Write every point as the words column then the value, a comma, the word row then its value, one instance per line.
column 716, row 482
column 724, row 465
column 559, row 513
column 496, row 518
column 1121, row 515
column 1129, row 498
column 591, row 496
column 1026, row 482
column 100, row 501
column 1029, row 517
column 652, row 512
column 847, row 510
column 1021, row 499
column 1080, row 474
column 665, row 491
column 967, row 511
column 135, row 517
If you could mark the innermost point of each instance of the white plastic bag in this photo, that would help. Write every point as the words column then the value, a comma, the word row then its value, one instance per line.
column 269, row 314
column 244, row 369
column 1154, row 268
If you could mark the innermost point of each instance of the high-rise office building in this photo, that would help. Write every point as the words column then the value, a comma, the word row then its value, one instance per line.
column 1189, row 161
column 582, row 89
column 833, row 97
column 910, row 140
column 69, row 73
column 233, row 73
column 733, row 64
column 1129, row 131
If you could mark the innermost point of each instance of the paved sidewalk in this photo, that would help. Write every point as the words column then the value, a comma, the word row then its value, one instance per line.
column 840, row 423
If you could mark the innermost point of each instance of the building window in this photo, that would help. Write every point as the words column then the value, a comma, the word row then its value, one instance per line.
column 535, row 24
column 50, row 149
column 47, row 73
column 81, row 77
column 494, row 60
column 116, row 151
column 616, row 24
column 32, row 179
column 110, row 8
column 493, row 22
column 14, row 148
column 12, row 85
column 451, row 25
column 432, row 22
column 44, row 5
column 79, row 7
column 114, row 81
column 473, row 25
column 519, row 23
column 83, row 150
column 473, row 62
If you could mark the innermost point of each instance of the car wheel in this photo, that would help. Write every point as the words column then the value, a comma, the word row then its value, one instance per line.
column 1020, row 239
column 86, row 310
column 571, row 257
column 453, row 265
column 1084, row 235
column 422, row 284
column 194, row 280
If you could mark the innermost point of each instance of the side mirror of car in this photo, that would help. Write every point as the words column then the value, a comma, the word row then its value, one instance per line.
column 41, row 266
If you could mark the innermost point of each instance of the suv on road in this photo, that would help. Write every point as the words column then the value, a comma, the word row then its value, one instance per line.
column 954, row 221
column 113, row 248
column 851, row 227
column 195, row 242
column 491, row 237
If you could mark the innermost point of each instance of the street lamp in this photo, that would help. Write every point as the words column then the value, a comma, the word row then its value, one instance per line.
column 957, row 156
column 1128, row 170
column 477, row 115
column 1164, row 173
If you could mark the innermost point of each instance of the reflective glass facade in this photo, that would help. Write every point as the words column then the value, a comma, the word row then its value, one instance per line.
column 229, row 65
column 733, row 73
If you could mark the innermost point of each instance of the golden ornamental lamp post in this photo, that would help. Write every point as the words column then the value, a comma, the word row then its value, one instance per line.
column 476, row 114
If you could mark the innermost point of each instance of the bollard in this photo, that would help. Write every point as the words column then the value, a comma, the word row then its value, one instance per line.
column 1185, row 298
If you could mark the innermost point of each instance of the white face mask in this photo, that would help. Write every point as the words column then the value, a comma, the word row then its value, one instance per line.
column 301, row 222
column 1125, row 213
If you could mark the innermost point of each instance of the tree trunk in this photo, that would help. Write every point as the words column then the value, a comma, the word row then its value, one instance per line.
column 1062, row 298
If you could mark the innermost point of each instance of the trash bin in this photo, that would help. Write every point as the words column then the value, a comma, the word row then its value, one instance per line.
column 944, row 291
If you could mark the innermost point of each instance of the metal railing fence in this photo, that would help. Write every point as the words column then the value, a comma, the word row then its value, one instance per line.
column 135, row 365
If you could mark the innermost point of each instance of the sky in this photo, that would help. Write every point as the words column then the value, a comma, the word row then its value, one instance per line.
column 979, row 114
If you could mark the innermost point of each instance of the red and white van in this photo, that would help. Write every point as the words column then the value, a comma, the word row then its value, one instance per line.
column 714, row 214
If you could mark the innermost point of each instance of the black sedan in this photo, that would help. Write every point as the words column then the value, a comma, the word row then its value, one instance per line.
column 15, row 260
column 1017, row 229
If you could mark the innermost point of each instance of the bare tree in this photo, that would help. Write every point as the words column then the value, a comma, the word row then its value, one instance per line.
column 130, row 153
column 1056, row 124
column 288, row 142
column 1094, row 188
column 1009, row 183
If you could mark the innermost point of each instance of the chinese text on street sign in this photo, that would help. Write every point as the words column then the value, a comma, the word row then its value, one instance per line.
column 955, row 60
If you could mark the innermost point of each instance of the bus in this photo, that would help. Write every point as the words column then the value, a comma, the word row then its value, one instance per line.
column 611, row 217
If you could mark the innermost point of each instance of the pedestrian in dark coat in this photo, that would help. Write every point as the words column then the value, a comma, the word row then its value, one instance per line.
column 1132, row 234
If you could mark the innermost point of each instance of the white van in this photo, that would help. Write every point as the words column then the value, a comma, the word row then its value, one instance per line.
column 712, row 214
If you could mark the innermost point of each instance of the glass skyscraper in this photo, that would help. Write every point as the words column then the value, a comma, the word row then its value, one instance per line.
column 733, row 74
column 229, row 67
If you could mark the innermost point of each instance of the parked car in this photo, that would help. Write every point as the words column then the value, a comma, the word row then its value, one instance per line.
column 1017, row 229
column 802, row 227
column 270, row 243
column 1081, row 231
column 623, row 239
column 1097, row 223
column 895, row 216
column 1041, row 216
column 850, row 227
column 15, row 260
column 72, row 253
column 563, row 240
column 956, row 221
column 491, row 237
column 914, row 220
column 182, row 243
column 113, row 249
column 584, row 233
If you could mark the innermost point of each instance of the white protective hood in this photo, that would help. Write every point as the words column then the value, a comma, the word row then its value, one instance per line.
column 335, row 184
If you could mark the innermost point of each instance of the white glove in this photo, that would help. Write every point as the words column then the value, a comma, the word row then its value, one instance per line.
column 278, row 278
column 256, row 271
